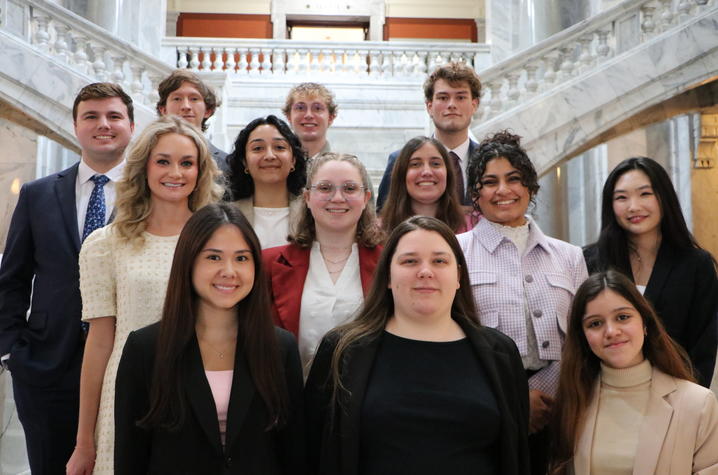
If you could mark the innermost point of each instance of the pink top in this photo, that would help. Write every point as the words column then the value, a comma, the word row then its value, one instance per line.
column 220, row 382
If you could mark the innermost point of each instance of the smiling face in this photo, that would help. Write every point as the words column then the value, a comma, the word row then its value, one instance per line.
column 269, row 156
column 452, row 106
column 103, row 129
column 310, row 118
column 338, row 211
column 424, row 276
column 426, row 175
column 188, row 103
column 635, row 204
column 614, row 330
column 172, row 168
column 223, row 271
column 502, row 198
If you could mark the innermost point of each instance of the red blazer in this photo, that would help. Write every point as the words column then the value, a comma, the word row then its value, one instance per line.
column 287, row 267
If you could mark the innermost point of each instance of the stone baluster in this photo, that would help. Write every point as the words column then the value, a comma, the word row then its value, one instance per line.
column 585, row 57
column 229, row 63
column 421, row 63
column 531, row 83
column 684, row 7
column 386, row 64
column 292, row 61
column 304, row 58
column 648, row 26
column 567, row 63
column 362, row 66
column 254, row 62
column 278, row 62
column 603, row 49
column 398, row 64
column 182, row 53
column 194, row 58
column 412, row 63
column 81, row 59
column 350, row 62
column 327, row 63
column 266, row 61
column 218, row 63
column 314, row 64
column 513, row 92
column 118, row 60
column 374, row 64
column 206, row 63
column 339, row 64
column 439, row 60
column 243, row 61
column 136, row 87
column 42, row 34
column 62, row 48
column 549, row 62
column 98, row 65
column 496, row 97
column 154, row 79
column 666, row 14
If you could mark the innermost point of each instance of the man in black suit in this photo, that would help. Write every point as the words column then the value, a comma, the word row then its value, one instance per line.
column 452, row 93
column 184, row 94
column 40, row 271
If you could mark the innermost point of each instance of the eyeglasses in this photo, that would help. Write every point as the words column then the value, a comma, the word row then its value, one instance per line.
column 316, row 107
column 326, row 189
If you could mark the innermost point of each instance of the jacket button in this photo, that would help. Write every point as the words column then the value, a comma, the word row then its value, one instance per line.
column 529, row 279
column 229, row 461
column 538, row 313
column 545, row 344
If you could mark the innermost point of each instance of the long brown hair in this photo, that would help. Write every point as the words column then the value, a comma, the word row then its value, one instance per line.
column 397, row 206
column 379, row 303
column 255, row 336
column 580, row 366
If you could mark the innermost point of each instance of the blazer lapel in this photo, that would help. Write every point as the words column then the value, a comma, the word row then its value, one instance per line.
column 242, row 393
column 65, row 191
column 200, row 395
column 582, row 454
column 355, row 374
column 655, row 424
column 659, row 275
column 368, row 259
column 289, row 271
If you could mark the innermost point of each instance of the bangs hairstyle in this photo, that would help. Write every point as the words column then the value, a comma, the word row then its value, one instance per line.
column 309, row 89
column 398, row 201
column 580, row 366
column 134, row 199
column 454, row 74
column 256, row 339
column 241, row 182
column 613, row 244
column 103, row 90
column 506, row 145
column 368, row 233
column 174, row 81
column 378, row 305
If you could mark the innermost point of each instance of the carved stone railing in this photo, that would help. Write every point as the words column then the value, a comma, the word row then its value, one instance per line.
column 584, row 47
column 281, row 58
column 84, row 46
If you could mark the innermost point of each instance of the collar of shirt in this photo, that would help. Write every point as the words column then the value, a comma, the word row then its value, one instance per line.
column 490, row 237
column 85, row 172
column 462, row 151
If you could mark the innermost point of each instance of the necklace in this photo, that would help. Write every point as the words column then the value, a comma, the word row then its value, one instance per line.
column 343, row 259
column 220, row 353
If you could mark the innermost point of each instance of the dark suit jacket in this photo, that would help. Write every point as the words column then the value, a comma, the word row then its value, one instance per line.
column 43, row 243
column 385, row 183
column 683, row 289
column 220, row 158
column 196, row 447
column 333, row 432
column 287, row 267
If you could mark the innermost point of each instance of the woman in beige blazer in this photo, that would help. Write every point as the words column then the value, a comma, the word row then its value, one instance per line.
column 627, row 401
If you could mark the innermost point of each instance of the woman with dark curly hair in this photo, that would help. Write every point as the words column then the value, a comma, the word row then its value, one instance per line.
column 644, row 236
column 267, row 174
column 522, row 280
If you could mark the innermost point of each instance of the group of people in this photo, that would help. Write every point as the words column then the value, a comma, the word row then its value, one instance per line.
column 252, row 312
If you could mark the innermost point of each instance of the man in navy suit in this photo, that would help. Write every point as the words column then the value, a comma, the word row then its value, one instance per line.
column 40, row 271
column 452, row 93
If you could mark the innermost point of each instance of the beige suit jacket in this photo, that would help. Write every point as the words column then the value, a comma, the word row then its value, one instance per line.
column 678, row 436
column 246, row 206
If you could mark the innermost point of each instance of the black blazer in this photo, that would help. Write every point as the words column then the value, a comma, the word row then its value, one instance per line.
column 43, row 243
column 385, row 183
column 683, row 289
column 196, row 448
column 334, row 444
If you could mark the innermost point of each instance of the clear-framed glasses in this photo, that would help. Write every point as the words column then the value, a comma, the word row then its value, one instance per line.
column 326, row 189
column 301, row 107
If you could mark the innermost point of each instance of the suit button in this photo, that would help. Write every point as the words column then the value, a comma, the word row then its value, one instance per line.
column 229, row 461
column 538, row 313
column 529, row 279
column 545, row 344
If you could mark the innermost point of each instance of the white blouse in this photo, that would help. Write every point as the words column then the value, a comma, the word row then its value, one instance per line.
column 271, row 226
column 326, row 305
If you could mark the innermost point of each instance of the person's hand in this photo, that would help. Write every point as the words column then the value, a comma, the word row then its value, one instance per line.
column 540, row 405
column 82, row 461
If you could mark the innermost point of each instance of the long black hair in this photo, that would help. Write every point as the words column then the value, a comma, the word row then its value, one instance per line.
column 255, row 336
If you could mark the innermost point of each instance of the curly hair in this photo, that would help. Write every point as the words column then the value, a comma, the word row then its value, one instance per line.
column 368, row 233
column 134, row 199
column 175, row 80
column 398, row 202
column 310, row 89
column 241, row 184
column 506, row 145
column 453, row 73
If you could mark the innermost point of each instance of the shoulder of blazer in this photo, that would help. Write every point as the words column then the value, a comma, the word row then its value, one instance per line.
column 146, row 337
column 285, row 340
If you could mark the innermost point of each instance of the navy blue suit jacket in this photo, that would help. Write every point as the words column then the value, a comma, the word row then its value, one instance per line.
column 43, row 244
column 386, row 178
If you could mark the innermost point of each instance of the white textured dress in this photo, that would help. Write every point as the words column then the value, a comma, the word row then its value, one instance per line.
column 130, row 284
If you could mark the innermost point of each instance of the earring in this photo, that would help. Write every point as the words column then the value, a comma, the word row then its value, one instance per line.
column 291, row 169
column 246, row 170
column 645, row 331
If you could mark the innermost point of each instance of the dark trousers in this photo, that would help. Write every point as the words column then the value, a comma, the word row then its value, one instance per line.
column 538, row 450
column 49, row 418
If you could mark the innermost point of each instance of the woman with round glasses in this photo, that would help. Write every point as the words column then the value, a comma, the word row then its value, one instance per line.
column 267, row 173
column 319, row 280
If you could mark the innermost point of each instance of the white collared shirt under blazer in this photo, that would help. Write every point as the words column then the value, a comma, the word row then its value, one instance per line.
column 678, row 433
column 544, row 279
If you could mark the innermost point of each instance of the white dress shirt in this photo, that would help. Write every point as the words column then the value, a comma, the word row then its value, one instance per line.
column 84, row 187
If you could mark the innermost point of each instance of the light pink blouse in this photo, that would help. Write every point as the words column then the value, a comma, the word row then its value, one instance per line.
column 220, row 382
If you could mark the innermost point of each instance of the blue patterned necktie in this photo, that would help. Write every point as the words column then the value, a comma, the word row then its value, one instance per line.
column 95, row 217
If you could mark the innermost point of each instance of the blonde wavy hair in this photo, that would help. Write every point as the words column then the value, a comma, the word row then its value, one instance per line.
column 133, row 203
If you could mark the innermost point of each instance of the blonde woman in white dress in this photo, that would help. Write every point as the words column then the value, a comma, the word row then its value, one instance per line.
column 124, row 268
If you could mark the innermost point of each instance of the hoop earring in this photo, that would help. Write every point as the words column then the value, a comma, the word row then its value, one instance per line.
column 291, row 169
column 246, row 171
